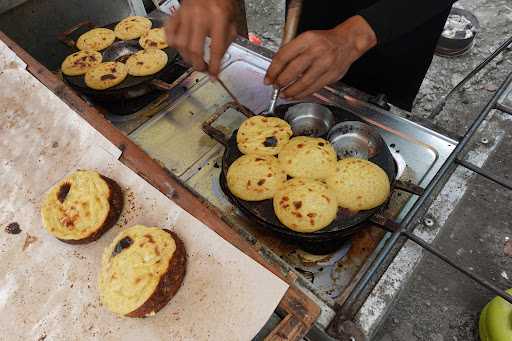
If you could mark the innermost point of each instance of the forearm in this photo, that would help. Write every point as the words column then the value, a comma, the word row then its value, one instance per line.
column 316, row 58
column 359, row 33
column 391, row 19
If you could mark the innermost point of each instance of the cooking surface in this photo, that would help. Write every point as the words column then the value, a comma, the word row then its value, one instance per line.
column 173, row 136
column 345, row 220
column 119, row 51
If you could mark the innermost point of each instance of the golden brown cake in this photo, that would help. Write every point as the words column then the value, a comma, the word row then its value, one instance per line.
column 141, row 270
column 153, row 39
column 359, row 184
column 146, row 62
column 96, row 39
column 81, row 207
column 105, row 75
column 132, row 27
column 255, row 177
column 80, row 62
column 261, row 135
column 308, row 157
column 305, row 205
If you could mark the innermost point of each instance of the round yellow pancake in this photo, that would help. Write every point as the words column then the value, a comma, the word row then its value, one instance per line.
column 305, row 205
column 132, row 27
column 153, row 39
column 261, row 135
column 359, row 184
column 96, row 39
column 146, row 62
column 77, row 206
column 308, row 157
column 80, row 62
column 132, row 265
column 255, row 177
column 105, row 75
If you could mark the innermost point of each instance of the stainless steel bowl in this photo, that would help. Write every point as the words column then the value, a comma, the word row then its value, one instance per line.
column 454, row 42
column 309, row 119
column 355, row 139
column 120, row 51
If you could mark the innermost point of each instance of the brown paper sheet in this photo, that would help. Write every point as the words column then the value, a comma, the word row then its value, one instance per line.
column 48, row 289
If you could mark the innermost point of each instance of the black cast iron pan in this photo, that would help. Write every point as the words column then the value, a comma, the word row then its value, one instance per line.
column 322, row 241
column 120, row 50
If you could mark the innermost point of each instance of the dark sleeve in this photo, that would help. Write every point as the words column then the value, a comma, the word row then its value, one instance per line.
column 390, row 19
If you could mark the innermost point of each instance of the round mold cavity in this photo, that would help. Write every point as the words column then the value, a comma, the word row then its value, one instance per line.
column 355, row 139
column 120, row 51
column 309, row 119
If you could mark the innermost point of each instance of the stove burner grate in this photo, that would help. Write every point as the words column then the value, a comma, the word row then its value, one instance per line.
column 368, row 280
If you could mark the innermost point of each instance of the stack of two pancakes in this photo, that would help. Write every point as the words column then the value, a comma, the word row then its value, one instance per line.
column 143, row 267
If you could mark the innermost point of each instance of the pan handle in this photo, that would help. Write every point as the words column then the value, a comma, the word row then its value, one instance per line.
column 164, row 86
column 64, row 36
column 161, row 85
column 409, row 187
column 215, row 133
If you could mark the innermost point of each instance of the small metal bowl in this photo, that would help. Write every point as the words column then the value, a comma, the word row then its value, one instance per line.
column 309, row 119
column 355, row 139
column 455, row 42
column 120, row 51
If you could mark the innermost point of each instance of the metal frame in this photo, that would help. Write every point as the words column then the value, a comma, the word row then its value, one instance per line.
column 406, row 227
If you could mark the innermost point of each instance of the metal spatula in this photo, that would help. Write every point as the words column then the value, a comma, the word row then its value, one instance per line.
column 225, row 87
column 290, row 30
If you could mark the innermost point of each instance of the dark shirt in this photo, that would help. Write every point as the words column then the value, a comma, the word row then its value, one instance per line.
column 407, row 32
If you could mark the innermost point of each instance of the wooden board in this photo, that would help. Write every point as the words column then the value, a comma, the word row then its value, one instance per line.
column 301, row 311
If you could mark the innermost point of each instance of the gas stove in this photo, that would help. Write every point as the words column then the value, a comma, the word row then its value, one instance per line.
column 169, row 129
column 168, row 126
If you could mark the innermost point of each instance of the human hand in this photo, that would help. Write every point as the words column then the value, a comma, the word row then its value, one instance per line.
column 318, row 58
column 187, row 29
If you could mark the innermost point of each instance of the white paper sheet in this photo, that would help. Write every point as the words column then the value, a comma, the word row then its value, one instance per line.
column 9, row 59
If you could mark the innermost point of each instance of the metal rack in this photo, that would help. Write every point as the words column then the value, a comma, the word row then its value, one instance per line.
column 407, row 226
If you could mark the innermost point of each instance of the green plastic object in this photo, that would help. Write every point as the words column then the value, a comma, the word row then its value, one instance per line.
column 496, row 320
column 484, row 335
